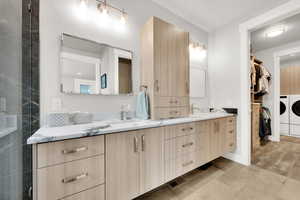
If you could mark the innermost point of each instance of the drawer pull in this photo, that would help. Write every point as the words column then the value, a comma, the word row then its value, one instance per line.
column 188, row 144
column 80, row 149
column 231, row 144
column 184, row 129
column 188, row 163
column 171, row 102
column 230, row 121
column 135, row 144
column 231, row 132
column 74, row 178
column 143, row 143
column 174, row 112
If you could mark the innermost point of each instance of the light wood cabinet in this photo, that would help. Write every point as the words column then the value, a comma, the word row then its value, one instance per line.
column 203, row 132
column 60, row 181
column 289, row 80
column 123, row 166
column 165, row 68
column 134, row 163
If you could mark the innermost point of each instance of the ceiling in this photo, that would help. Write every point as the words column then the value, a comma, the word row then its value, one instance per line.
column 213, row 14
column 260, row 42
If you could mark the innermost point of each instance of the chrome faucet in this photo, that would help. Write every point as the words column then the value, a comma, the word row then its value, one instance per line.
column 193, row 108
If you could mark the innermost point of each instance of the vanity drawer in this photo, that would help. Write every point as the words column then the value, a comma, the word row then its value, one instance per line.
column 171, row 112
column 96, row 193
column 179, row 130
column 53, row 153
column 230, row 143
column 59, row 181
column 179, row 166
column 231, row 122
column 173, row 101
column 180, row 146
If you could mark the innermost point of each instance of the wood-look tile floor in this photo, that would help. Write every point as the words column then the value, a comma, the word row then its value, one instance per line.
column 280, row 157
column 226, row 180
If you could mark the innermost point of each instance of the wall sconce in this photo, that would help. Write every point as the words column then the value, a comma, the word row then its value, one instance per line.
column 197, row 51
column 105, row 9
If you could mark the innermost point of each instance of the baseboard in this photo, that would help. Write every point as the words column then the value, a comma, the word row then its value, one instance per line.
column 237, row 158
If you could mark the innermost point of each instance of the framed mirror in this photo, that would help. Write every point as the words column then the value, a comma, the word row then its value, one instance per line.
column 92, row 68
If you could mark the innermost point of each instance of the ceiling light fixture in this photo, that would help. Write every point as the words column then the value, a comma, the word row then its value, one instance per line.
column 275, row 31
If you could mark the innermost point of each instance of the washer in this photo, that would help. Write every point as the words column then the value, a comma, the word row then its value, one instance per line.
column 295, row 115
column 284, row 115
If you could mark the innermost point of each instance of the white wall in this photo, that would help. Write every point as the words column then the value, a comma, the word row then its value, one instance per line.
column 56, row 18
column 224, row 75
column 290, row 62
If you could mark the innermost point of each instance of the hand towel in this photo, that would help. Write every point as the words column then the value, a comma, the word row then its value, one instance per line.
column 142, row 106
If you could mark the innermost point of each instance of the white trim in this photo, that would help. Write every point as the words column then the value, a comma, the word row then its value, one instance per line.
column 281, row 12
column 276, row 82
column 86, row 59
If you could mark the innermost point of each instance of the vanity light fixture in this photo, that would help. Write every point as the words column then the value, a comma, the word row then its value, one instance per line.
column 105, row 9
column 275, row 31
column 197, row 51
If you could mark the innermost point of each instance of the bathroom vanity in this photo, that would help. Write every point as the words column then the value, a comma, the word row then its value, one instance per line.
column 126, row 159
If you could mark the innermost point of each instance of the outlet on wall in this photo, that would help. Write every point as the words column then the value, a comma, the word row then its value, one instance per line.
column 56, row 104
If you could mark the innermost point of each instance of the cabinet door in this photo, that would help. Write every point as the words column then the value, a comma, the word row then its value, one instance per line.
column 180, row 77
column 215, row 139
column 152, row 158
column 203, row 132
column 161, row 52
column 294, row 80
column 122, row 166
column 285, row 81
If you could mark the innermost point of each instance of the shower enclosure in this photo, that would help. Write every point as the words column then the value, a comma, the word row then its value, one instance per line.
column 19, row 95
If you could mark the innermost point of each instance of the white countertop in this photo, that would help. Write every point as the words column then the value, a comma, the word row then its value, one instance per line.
column 46, row 134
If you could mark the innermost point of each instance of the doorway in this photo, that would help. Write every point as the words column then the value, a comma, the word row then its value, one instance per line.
column 286, row 10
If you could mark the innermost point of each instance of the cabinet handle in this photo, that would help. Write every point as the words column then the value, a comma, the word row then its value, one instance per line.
column 143, row 143
column 135, row 144
column 187, row 87
column 156, row 86
column 188, row 163
column 174, row 112
column 74, row 150
column 171, row 102
column 188, row 144
column 74, row 178
column 231, row 132
column 231, row 144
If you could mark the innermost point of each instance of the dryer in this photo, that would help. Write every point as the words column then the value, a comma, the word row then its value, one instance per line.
column 295, row 115
column 284, row 115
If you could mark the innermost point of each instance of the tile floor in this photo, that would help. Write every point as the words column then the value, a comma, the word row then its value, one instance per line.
column 282, row 158
column 268, row 179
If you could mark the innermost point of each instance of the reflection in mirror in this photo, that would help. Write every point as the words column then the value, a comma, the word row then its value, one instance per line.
column 88, row 67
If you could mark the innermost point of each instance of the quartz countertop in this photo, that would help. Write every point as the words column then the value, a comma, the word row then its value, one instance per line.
column 47, row 134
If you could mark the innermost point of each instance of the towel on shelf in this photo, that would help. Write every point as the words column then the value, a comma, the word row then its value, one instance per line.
column 142, row 106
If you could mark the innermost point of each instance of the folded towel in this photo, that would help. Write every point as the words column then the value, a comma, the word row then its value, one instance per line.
column 142, row 106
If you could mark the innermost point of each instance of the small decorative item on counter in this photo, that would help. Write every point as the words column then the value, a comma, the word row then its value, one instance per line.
column 81, row 118
column 58, row 119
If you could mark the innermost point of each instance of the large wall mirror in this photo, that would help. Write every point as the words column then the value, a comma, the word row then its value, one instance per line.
column 88, row 67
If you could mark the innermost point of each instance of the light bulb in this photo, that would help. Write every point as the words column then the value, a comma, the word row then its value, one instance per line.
column 82, row 9
column 123, row 19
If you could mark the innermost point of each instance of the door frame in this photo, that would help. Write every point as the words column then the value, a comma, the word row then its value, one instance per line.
column 279, row 13
column 276, row 82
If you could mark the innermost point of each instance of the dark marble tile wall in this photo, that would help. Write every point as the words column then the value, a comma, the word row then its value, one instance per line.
column 30, row 87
